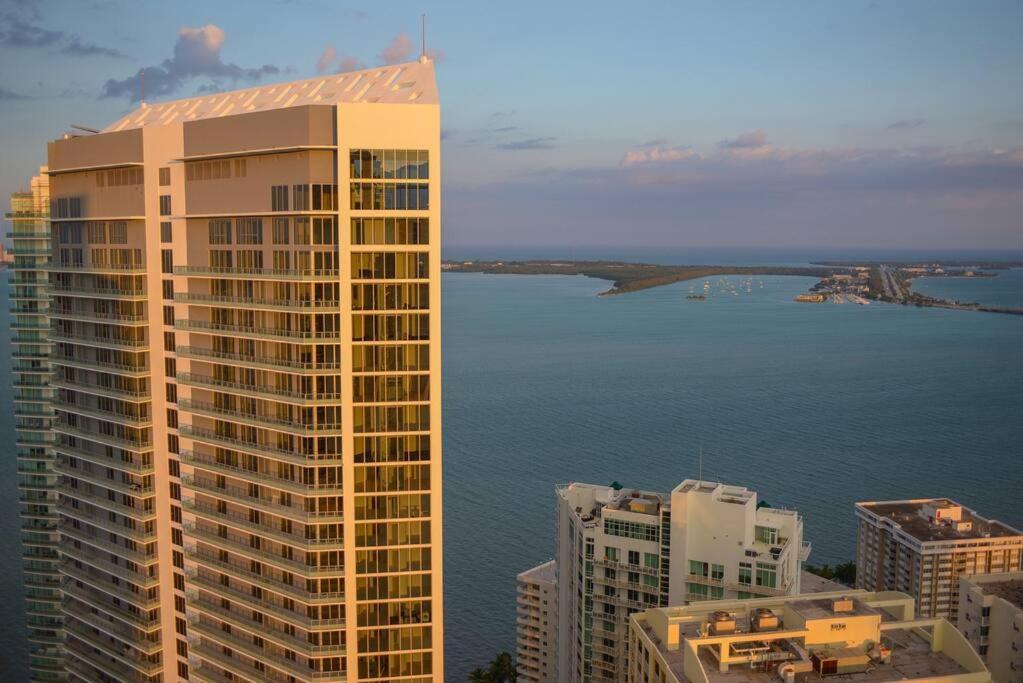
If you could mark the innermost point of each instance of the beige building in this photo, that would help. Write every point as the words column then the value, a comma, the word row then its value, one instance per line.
column 246, row 354
column 33, row 414
column 858, row 636
column 620, row 551
column 991, row 618
column 922, row 547
column 536, row 624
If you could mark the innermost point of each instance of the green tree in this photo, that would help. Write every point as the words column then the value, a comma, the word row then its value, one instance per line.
column 500, row 670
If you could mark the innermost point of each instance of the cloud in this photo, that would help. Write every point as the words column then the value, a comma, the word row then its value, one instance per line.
column 504, row 129
column 906, row 124
column 752, row 140
column 398, row 50
column 528, row 144
column 196, row 55
column 656, row 154
column 11, row 96
column 656, row 142
column 17, row 33
column 326, row 59
column 76, row 48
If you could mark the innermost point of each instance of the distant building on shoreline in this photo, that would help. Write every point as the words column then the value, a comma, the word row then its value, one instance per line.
column 991, row 618
column 922, row 547
column 620, row 551
column 863, row 637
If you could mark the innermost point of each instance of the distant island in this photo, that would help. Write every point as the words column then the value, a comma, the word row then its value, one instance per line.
column 631, row 277
column 838, row 281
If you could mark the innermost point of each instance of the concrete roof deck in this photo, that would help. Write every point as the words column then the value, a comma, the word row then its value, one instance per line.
column 906, row 513
column 1011, row 591
column 823, row 609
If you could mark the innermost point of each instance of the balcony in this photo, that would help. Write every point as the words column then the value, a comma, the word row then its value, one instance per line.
column 277, row 364
column 119, row 661
column 242, row 523
column 143, row 446
column 134, row 370
column 239, row 668
column 209, row 437
column 265, row 421
column 128, row 635
column 101, row 584
column 277, row 661
column 281, row 639
column 137, row 468
column 58, row 290
column 209, row 462
column 97, row 600
column 248, row 303
column 239, row 547
column 238, row 494
column 99, row 342
column 124, row 319
column 100, row 479
column 208, row 583
column 105, row 544
column 132, row 421
column 136, row 513
column 94, row 389
column 270, row 333
column 88, row 665
column 259, row 273
column 97, row 269
column 212, row 562
column 258, row 390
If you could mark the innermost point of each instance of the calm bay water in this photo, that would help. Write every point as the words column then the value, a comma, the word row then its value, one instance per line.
column 814, row 406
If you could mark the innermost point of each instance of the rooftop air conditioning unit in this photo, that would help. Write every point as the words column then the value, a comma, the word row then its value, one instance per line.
column 722, row 623
column 764, row 620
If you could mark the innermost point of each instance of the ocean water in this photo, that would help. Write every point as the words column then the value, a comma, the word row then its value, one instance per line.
column 813, row 406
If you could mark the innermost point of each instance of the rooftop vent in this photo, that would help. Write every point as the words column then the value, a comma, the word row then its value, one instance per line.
column 842, row 605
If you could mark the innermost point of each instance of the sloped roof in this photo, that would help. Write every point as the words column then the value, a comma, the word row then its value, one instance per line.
column 409, row 83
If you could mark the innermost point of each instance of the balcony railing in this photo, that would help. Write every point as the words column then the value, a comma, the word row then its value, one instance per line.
column 251, row 302
column 265, row 449
column 239, row 547
column 284, row 395
column 242, row 522
column 240, row 495
column 209, row 355
column 268, row 581
column 272, row 333
column 267, row 421
column 257, row 273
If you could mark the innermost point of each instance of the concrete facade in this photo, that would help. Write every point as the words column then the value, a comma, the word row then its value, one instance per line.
column 620, row 551
column 922, row 547
column 536, row 624
column 246, row 354
column 861, row 637
column 991, row 618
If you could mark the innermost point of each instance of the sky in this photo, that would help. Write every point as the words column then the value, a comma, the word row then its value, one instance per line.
column 862, row 123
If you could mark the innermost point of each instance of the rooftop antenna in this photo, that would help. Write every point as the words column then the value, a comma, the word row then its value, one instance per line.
column 422, row 56
column 142, row 87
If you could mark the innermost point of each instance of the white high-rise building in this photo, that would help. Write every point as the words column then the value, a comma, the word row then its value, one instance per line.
column 536, row 624
column 620, row 551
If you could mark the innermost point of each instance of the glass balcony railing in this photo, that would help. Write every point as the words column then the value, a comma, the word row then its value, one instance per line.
column 251, row 302
column 271, row 333
column 267, row 421
column 257, row 273
column 268, row 363
column 287, row 395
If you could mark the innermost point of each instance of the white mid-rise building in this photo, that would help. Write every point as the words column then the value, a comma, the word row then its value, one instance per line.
column 620, row 551
column 991, row 618
column 535, row 624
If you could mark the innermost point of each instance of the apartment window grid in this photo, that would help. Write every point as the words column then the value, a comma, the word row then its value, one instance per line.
column 391, row 354
column 634, row 530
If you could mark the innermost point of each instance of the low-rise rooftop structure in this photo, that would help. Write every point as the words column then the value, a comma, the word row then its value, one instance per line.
column 864, row 637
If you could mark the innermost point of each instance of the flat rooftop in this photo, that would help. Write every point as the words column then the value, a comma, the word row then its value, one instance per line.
column 906, row 513
column 912, row 659
column 823, row 609
column 545, row 572
column 1010, row 591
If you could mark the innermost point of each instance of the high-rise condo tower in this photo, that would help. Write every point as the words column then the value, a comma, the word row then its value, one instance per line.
column 245, row 308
